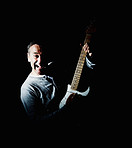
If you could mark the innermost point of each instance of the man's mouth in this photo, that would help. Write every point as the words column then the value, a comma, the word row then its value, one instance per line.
column 37, row 66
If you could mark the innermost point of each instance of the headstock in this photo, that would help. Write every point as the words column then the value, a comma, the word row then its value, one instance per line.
column 91, row 28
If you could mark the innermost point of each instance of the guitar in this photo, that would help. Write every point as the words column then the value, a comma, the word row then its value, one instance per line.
column 72, row 89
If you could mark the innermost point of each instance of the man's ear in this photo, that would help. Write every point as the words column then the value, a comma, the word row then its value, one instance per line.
column 28, row 57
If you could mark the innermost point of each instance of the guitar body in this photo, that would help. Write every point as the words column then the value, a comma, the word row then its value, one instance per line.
column 69, row 92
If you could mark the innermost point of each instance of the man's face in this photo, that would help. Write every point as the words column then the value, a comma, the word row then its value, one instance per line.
column 35, row 59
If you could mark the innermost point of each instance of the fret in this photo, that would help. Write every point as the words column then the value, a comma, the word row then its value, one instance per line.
column 82, row 58
column 79, row 66
column 77, row 74
column 91, row 29
column 80, row 63
column 78, row 71
column 77, row 77
column 74, row 87
column 76, row 81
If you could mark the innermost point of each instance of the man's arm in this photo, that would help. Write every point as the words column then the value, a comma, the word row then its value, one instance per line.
column 28, row 101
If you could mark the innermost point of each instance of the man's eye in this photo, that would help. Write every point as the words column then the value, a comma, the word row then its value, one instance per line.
column 36, row 56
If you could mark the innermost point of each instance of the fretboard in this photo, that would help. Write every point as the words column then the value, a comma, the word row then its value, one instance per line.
column 78, row 71
column 76, row 78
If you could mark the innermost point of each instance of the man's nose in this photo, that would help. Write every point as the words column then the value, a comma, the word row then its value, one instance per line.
column 39, row 59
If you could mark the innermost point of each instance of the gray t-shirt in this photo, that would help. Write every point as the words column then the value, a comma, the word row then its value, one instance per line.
column 36, row 94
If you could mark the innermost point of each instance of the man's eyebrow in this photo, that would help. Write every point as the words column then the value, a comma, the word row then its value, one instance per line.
column 37, row 52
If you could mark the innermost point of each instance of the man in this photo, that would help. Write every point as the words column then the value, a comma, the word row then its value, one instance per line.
column 39, row 91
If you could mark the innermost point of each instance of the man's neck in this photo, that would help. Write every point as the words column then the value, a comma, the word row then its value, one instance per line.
column 34, row 73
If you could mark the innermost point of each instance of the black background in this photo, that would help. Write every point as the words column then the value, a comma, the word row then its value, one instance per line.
column 61, row 29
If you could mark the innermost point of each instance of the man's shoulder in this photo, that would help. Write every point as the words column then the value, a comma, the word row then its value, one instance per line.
column 26, row 83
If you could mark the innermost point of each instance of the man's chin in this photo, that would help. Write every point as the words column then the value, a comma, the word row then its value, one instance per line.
column 39, row 71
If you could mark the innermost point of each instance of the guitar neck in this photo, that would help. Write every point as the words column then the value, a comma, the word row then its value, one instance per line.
column 76, row 78
column 78, row 71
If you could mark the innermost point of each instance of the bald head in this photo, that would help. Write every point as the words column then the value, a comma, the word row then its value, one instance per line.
column 34, row 48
